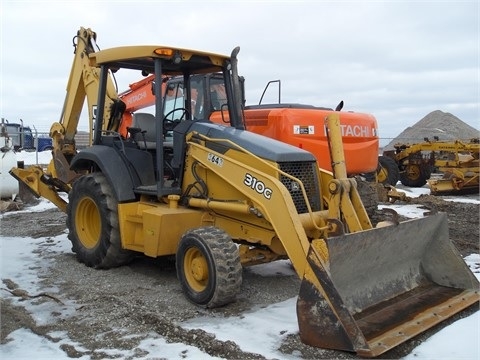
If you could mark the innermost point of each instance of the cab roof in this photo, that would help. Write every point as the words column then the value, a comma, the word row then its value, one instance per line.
column 142, row 58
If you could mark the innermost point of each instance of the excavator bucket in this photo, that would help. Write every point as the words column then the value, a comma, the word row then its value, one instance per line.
column 369, row 291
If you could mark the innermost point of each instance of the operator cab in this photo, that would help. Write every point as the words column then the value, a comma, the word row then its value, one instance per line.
column 149, row 152
column 207, row 95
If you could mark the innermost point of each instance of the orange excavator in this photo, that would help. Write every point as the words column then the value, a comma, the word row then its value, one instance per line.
column 295, row 124
column 138, row 96
column 302, row 126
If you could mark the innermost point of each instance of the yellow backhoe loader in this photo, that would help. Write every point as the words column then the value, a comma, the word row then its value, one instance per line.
column 218, row 198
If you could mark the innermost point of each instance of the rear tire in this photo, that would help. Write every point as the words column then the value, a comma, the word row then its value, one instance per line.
column 92, row 221
column 208, row 267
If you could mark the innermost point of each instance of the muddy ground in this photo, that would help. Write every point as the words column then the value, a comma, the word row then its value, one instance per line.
column 145, row 296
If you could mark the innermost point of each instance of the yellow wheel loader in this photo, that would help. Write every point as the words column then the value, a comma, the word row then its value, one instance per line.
column 219, row 198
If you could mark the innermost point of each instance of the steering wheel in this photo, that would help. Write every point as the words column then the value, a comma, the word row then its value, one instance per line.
column 169, row 124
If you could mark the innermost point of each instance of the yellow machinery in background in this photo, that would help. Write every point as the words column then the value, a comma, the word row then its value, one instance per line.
column 457, row 161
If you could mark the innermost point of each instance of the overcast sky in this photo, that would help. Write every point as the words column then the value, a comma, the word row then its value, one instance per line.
column 398, row 60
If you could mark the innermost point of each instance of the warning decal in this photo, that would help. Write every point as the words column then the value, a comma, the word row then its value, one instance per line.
column 304, row 129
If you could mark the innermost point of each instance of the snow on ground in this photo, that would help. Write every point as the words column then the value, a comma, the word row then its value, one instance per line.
column 456, row 341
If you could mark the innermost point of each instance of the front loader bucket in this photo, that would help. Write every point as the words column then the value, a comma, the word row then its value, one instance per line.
column 372, row 290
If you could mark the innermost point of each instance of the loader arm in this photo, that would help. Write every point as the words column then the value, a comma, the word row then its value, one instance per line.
column 364, row 289
column 370, row 289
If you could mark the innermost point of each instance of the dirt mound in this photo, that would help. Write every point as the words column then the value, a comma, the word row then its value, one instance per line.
column 438, row 123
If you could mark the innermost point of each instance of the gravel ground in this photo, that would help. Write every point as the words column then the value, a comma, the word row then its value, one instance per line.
column 145, row 296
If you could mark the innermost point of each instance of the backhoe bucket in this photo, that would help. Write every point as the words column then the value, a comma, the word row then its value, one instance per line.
column 372, row 290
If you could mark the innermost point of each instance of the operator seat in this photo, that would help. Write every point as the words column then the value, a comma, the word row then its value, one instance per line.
column 146, row 139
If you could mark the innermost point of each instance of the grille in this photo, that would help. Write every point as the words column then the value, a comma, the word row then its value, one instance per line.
column 307, row 174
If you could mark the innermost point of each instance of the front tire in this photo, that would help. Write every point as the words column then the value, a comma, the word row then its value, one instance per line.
column 387, row 172
column 415, row 175
column 92, row 220
column 208, row 267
